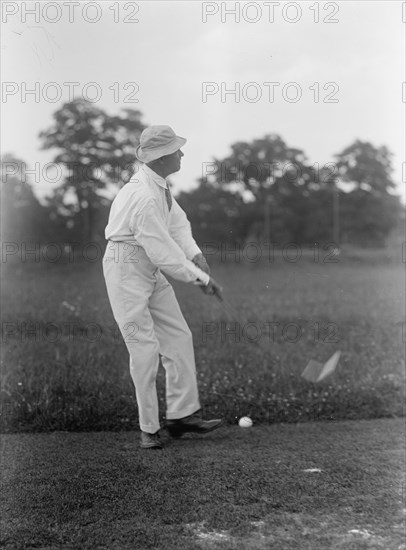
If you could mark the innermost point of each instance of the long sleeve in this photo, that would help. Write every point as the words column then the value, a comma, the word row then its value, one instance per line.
column 181, row 232
column 150, row 231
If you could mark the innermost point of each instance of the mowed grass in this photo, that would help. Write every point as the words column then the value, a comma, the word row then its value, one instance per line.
column 64, row 366
column 306, row 486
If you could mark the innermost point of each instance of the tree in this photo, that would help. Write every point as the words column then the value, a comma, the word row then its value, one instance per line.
column 23, row 218
column 96, row 150
column 366, row 167
column 215, row 214
column 273, row 179
column 370, row 210
column 264, row 166
column 266, row 173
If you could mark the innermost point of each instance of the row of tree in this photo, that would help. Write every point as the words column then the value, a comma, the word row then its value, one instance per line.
column 263, row 190
column 286, row 199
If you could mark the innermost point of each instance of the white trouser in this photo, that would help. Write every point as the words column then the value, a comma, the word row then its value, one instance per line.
column 146, row 310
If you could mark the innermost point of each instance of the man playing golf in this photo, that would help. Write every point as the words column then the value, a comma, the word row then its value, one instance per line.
column 148, row 232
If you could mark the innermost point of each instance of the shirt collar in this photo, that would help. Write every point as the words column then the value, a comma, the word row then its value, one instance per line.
column 155, row 177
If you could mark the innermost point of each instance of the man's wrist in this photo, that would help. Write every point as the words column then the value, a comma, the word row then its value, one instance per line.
column 201, row 276
column 201, row 262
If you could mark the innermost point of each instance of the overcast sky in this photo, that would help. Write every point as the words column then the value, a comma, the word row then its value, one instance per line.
column 171, row 51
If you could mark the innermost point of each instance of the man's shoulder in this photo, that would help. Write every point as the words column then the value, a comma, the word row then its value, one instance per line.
column 135, row 199
column 138, row 187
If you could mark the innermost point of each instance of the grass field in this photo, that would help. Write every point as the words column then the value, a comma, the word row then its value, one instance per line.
column 64, row 367
column 293, row 485
column 310, row 486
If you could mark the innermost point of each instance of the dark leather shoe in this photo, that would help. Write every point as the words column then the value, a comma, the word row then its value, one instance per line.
column 193, row 423
column 150, row 441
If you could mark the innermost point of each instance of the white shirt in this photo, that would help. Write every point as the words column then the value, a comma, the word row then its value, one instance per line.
column 140, row 214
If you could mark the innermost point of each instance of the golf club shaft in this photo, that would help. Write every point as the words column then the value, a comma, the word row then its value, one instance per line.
column 230, row 310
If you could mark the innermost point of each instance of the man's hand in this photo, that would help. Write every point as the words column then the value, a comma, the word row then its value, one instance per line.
column 200, row 261
column 213, row 289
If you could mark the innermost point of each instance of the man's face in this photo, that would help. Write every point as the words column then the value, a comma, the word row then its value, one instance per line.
column 172, row 162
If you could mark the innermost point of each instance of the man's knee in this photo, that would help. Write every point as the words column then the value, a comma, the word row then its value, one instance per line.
column 144, row 355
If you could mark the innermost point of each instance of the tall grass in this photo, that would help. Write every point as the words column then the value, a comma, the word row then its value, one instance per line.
column 64, row 366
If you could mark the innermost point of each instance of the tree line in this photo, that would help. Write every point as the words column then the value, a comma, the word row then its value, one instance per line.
column 263, row 190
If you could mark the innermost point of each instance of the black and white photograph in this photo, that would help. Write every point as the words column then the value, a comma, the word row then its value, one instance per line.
column 203, row 252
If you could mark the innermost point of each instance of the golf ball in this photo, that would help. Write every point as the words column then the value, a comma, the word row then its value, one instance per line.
column 245, row 422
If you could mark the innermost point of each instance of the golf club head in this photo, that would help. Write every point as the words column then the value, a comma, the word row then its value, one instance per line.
column 312, row 371
column 329, row 366
column 316, row 372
